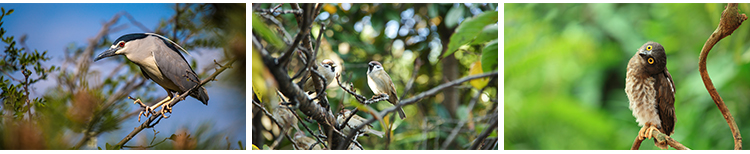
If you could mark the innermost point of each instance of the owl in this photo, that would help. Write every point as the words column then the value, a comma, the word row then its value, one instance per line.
column 650, row 90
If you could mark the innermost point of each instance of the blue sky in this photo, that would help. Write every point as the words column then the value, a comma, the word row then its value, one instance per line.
column 54, row 27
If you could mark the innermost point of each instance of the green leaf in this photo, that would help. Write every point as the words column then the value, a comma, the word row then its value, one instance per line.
column 489, row 56
column 451, row 19
column 265, row 32
column 489, row 33
column 9, row 12
column 468, row 30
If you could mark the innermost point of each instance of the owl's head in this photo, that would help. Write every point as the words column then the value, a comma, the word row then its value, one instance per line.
column 654, row 57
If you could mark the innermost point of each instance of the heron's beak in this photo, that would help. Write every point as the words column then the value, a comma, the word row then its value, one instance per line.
column 105, row 54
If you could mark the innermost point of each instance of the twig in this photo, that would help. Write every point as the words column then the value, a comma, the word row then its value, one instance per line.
column 308, row 129
column 470, row 107
column 413, row 100
column 151, row 144
column 362, row 99
column 485, row 133
column 283, row 130
column 264, row 11
column 172, row 103
column 730, row 21
column 410, row 83
column 659, row 137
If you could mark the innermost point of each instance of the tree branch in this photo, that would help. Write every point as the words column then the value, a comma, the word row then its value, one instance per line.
column 173, row 102
column 659, row 137
column 410, row 101
column 470, row 107
column 730, row 21
column 485, row 133
column 283, row 131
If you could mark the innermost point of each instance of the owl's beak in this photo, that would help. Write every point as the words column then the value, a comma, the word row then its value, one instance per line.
column 644, row 53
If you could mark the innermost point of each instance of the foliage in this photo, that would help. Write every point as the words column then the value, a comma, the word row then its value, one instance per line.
column 85, row 103
column 15, row 97
column 408, row 40
column 565, row 73
column 19, row 108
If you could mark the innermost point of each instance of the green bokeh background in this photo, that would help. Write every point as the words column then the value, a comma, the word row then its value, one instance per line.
column 565, row 68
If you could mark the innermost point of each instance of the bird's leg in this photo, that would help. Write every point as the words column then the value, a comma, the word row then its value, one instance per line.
column 165, row 106
column 161, row 103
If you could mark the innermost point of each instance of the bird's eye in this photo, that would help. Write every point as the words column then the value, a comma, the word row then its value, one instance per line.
column 650, row 60
column 648, row 47
column 121, row 44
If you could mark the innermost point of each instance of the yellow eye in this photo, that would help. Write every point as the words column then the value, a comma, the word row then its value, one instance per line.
column 648, row 47
column 650, row 60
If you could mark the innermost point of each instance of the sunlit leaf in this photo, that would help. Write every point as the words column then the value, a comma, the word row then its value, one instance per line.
column 469, row 30
column 476, row 69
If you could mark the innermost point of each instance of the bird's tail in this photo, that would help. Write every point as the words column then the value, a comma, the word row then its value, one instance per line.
column 201, row 95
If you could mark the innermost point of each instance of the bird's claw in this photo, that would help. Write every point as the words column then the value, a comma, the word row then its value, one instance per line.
column 148, row 111
column 646, row 132
column 164, row 109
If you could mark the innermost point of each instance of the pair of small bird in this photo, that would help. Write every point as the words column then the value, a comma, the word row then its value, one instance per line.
column 377, row 79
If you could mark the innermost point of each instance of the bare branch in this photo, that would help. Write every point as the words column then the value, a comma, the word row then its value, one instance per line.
column 660, row 137
column 413, row 100
column 730, row 21
column 173, row 102
column 485, row 133
column 470, row 107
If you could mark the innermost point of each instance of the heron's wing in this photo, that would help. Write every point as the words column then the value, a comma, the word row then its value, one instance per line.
column 170, row 43
column 174, row 67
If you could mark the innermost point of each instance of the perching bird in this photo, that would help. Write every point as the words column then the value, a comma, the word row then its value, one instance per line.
column 160, row 60
column 650, row 89
column 380, row 83
column 327, row 69
column 355, row 122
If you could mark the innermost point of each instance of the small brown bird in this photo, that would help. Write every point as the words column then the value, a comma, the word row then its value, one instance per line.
column 380, row 83
column 286, row 118
column 304, row 142
column 355, row 122
column 327, row 69
column 650, row 89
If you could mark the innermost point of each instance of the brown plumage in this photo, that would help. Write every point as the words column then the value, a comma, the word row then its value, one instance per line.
column 650, row 89
column 380, row 83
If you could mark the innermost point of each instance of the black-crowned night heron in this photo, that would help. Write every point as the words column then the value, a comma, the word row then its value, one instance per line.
column 160, row 60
